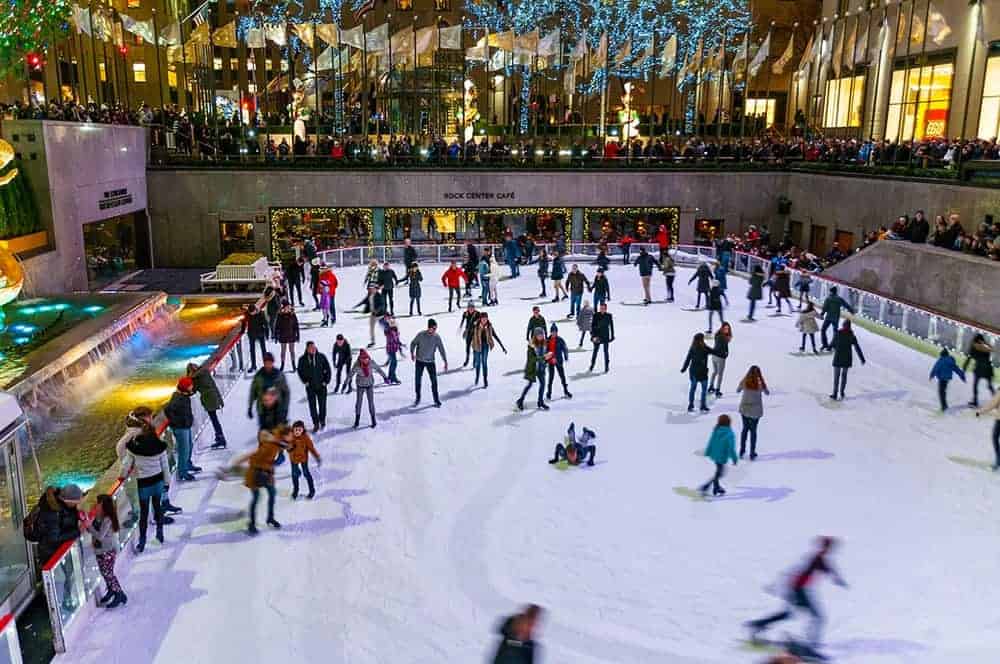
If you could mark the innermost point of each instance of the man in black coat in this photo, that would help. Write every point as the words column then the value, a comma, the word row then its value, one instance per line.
column 314, row 372
column 387, row 279
column 517, row 643
column 255, row 326
column 295, row 275
column 646, row 264
column 602, row 333
column 342, row 362
column 409, row 254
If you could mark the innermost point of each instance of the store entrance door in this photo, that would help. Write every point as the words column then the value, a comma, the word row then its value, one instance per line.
column 116, row 246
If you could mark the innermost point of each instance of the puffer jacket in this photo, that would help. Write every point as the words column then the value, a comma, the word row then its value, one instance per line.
column 807, row 322
column 584, row 319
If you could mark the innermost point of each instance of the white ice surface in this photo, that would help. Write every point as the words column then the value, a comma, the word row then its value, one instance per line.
column 430, row 527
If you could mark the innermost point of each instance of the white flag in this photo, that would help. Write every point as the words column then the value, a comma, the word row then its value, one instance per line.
column 937, row 26
column 624, row 53
column 861, row 43
column 255, row 38
column 354, row 37
column 377, row 39
column 762, row 55
column 549, row 44
column 579, row 51
column 838, row 48
column 669, row 57
column 600, row 57
column 81, row 18
column 807, row 55
column 480, row 52
column 526, row 44
column 276, row 34
column 451, row 37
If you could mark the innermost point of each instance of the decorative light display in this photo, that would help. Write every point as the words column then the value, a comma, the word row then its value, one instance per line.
column 639, row 216
column 287, row 222
column 28, row 27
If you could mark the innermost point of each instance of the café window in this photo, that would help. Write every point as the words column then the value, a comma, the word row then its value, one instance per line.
column 442, row 5
column 844, row 99
column 707, row 231
column 989, row 114
column 919, row 102
column 761, row 108
column 139, row 72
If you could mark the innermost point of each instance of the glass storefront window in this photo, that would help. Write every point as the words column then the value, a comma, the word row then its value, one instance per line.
column 989, row 114
column 114, row 247
column 844, row 99
column 761, row 107
column 707, row 231
column 610, row 225
column 449, row 225
column 919, row 102
column 236, row 237
column 330, row 228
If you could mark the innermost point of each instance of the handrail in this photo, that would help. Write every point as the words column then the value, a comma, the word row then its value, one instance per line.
column 57, row 556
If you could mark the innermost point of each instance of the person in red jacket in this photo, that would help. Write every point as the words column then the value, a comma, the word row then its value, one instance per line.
column 328, row 278
column 452, row 280
column 663, row 239
column 626, row 245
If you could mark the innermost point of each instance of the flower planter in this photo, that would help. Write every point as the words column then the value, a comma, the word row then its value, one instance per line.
column 24, row 243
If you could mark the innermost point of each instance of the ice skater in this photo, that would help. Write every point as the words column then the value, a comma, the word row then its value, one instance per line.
column 423, row 349
column 722, row 340
column 534, row 368
column 537, row 320
column 993, row 407
column 557, row 354
column 466, row 326
column 944, row 369
column 602, row 334
column 286, row 333
column 211, row 399
column 485, row 282
column 721, row 448
column 584, row 321
column 557, row 274
column 543, row 270
column 413, row 279
column 844, row 346
column 669, row 271
column 645, row 262
column 300, row 448
column 342, row 363
column 714, row 304
column 696, row 364
column 517, row 637
column 601, row 288
column 387, row 279
column 753, row 388
column 483, row 338
column 393, row 346
column 362, row 373
column 832, row 307
column 576, row 280
column 808, row 326
column 782, row 287
column 703, row 275
column 574, row 450
column 756, row 291
column 980, row 356
column 452, row 280
column 494, row 279
column 721, row 275
column 798, row 595
column 260, row 472
column 803, row 286
column 103, row 528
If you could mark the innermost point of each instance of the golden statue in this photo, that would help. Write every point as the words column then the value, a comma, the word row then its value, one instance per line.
column 6, row 156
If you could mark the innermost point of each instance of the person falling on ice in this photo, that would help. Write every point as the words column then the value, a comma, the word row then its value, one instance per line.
column 575, row 451
column 799, row 596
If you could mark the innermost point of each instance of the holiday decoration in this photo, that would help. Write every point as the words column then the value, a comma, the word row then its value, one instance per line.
column 28, row 27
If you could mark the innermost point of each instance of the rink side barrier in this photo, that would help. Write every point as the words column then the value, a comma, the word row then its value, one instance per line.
column 10, row 645
column 894, row 318
column 71, row 578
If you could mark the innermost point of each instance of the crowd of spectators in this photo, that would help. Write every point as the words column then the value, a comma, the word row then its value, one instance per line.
column 947, row 233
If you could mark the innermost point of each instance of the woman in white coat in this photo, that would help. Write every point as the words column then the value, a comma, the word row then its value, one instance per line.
column 808, row 326
column 494, row 278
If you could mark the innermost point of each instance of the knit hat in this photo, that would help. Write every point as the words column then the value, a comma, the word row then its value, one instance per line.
column 431, row 323
column 71, row 492
column 185, row 385
column 553, row 328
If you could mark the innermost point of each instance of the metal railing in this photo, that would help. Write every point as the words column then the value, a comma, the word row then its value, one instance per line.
column 71, row 577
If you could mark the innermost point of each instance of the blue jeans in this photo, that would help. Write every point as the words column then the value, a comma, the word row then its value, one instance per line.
column 392, row 367
column 695, row 382
column 255, row 496
column 575, row 300
column 515, row 269
column 599, row 299
column 182, row 444
column 753, row 307
column 484, row 282
column 333, row 309
column 480, row 362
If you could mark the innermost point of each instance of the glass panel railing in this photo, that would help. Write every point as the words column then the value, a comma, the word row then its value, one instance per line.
column 10, row 646
column 65, row 589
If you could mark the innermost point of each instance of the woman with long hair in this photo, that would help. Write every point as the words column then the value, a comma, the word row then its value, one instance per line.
column 753, row 387
column 697, row 362
column 286, row 332
column 146, row 456
column 483, row 338
column 722, row 339
column 534, row 368
column 844, row 346
column 103, row 528
column 365, row 382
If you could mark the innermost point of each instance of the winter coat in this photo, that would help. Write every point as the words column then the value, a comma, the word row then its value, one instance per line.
column 584, row 319
column 603, row 327
column 543, row 266
column 602, row 261
column 832, row 307
column 919, row 231
column 387, row 279
column 263, row 380
column 843, row 345
column 704, row 277
column 805, row 282
column 697, row 361
column 314, row 370
column 452, row 277
column 715, row 299
column 510, row 650
column 208, row 391
column 393, row 344
column 536, row 322
column 511, row 251
column 260, row 466
column 286, row 328
column 534, row 364
column 945, row 369
column 413, row 278
column 257, row 326
column 178, row 411
column 667, row 266
column 721, row 344
column 722, row 445
column 720, row 276
column 57, row 523
column 602, row 287
column 783, row 284
column 575, row 281
column 557, row 346
column 146, row 458
column 424, row 346
column 484, row 269
column 409, row 255
column 342, row 355
column 756, row 291
column 980, row 354
column 807, row 322
column 469, row 322
column 105, row 539
column 494, row 270
column 646, row 263
column 375, row 304
column 330, row 279
column 301, row 447
column 362, row 380
column 558, row 269
column 486, row 336
column 752, row 401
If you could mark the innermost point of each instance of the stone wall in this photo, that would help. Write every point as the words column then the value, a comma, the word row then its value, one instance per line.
column 956, row 284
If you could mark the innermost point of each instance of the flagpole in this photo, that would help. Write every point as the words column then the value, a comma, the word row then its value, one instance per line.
column 814, row 105
column 439, row 122
column 364, row 86
column 746, row 83
column 906, row 82
column 878, row 69
column 338, row 100
column 722, row 86
column 54, row 47
column 652, row 91
column 387, row 102
column 854, row 58
column 697, row 92
column 81, row 68
column 920, row 75
column 159, row 65
column 241, row 63
column 792, row 76
column 182, row 89
column 414, row 106
column 319, row 99
column 867, row 55
column 839, row 58
column 767, row 75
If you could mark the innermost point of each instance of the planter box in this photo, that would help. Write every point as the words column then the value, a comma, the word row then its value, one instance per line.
column 259, row 271
column 25, row 243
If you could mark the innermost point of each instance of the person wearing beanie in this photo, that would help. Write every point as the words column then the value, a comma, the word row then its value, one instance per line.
column 423, row 349
column 944, row 370
column 181, row 419
column 557, row 353
column 534, row 368
column 57, row 520
column 601, row 289
column 211, row 400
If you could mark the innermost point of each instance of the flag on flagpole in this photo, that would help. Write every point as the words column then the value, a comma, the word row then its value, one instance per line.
column 225, row 36
column 276, row 34
column 549, row 44
column 171, row 35
column 402, row 47
column 850, row 46
column 306, row 32
column 600, row 57
column 669, row 57
column 762, row 54
column 579, row 51
column 526, row 44
column 377, row 39
column 81, row 19
column 883, row 38
column 779, row 65
column 807, row 55
column 362, row 9
column 480, row 52
column 860, row 55
column 682, row 73
column 624, row 53
column 502, row 40
column 354, row 37
column 142, row 28
column 937, row 26
column 255, row 38
column 740, row 61
column 451, row 37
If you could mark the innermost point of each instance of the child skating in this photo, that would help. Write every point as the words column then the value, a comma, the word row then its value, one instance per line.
column 721, row 448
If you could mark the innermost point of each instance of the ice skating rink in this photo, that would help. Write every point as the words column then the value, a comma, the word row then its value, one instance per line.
column 427, row 529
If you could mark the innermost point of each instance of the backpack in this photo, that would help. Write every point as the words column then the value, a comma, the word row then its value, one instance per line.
column 30, row 526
